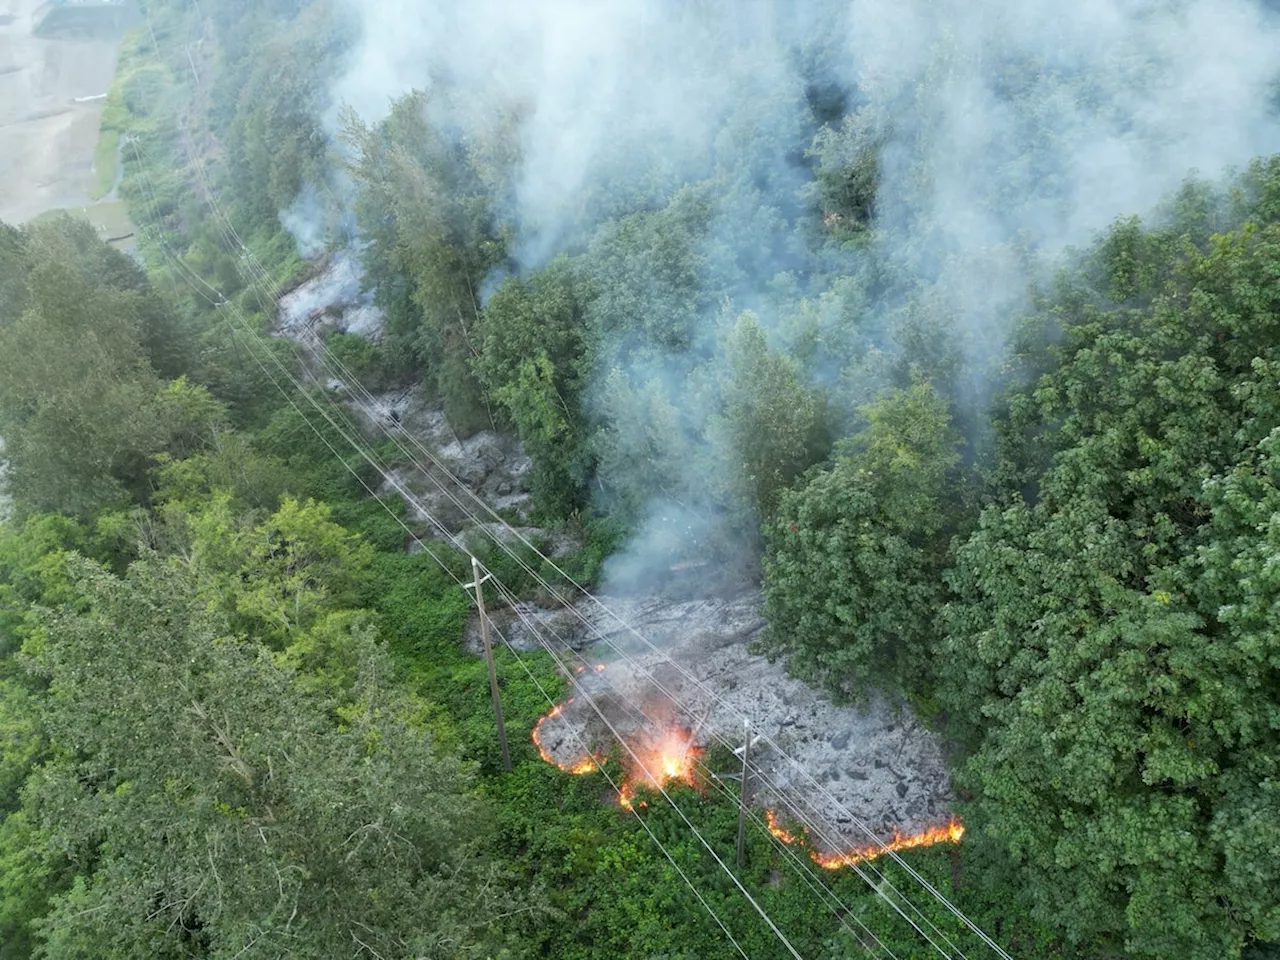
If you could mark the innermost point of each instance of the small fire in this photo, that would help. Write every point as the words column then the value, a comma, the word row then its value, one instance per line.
column 598, row 668
column 777, row 829
column 653, row 759
column 587, row 764
column 660, row 758
column 950, row 832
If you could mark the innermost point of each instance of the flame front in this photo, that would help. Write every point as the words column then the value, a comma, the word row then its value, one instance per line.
column 776, row 828
column 653, row 760
column 950, row 832
column 658, row 759
column 587, row 764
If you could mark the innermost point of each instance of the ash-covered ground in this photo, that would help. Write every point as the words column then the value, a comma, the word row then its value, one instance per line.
column 692, row 668
column 489, row 464
column 877, row 763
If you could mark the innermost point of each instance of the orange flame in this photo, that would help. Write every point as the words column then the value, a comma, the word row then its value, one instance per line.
column 662, row 758
column 587, row 764
column 655, row 759
column 950, row 832
column 776, row 828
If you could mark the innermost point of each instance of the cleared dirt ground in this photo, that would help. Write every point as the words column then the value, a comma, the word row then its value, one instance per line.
column 47, row 140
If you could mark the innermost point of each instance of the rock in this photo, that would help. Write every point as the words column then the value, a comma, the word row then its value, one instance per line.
column 691, row 643
column 699, row 646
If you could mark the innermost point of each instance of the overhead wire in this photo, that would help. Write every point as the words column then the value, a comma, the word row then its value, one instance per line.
column 803, row 867
column 255, row 267
column 343, row 375
column 881, row 885
column 878, row 885
column 328, row 362
column 222, row 302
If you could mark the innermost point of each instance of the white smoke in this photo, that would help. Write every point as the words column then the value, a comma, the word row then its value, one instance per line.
column 1006, row 130
column 305, row 220
column 999, row 120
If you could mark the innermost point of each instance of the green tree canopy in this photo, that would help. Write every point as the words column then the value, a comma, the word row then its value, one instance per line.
column 215, row 810
column 854, row 569
column 1106, row 657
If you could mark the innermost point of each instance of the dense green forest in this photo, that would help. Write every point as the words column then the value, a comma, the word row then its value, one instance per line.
column 237, row 718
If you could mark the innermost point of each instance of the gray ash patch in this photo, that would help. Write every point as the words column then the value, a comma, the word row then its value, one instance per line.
column 876, row 763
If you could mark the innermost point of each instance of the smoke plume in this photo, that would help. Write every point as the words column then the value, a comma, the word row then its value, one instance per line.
column 1000, row 134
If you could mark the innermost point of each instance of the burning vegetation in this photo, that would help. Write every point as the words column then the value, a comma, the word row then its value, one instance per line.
column 950, row 832
column 667, row 756
column 663, row 754
column 586, row 763
column 652, row 760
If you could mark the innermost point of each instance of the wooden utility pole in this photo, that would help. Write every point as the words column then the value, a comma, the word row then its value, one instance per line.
column 742, row 797
column 488, row 655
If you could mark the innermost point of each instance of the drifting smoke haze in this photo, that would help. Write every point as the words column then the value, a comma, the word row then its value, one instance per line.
column 1004, row 133
column 996, row 119
column 305, row 219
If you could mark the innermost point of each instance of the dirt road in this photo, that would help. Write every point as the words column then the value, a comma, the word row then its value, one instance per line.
column 47, row 140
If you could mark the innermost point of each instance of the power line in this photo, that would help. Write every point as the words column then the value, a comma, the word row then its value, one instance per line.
column 878, row 887
column 348, row 379
column 328, row 362
column 254, row 266
column 243, row 321
column 798, row 863
column 815, row 829
column 444, row 566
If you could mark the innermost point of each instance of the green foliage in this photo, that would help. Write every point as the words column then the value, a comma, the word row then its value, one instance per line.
column 847, row 176
column 774, row 427
column 106, row 164
column 307, row 442
column 534, row 361
column 15, row 268
column 27, row 881
column 1098, row 642
column 853, row 574
column 371, row 364
column 279, row 829
column 646, row 270
column 1104, row 655
column 644, row 446
column 426, row 211
column 255, row 480
column 278, row 577
column 81, row 403
column 275, row 140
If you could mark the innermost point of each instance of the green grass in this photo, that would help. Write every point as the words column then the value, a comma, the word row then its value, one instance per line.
column 105, row 164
